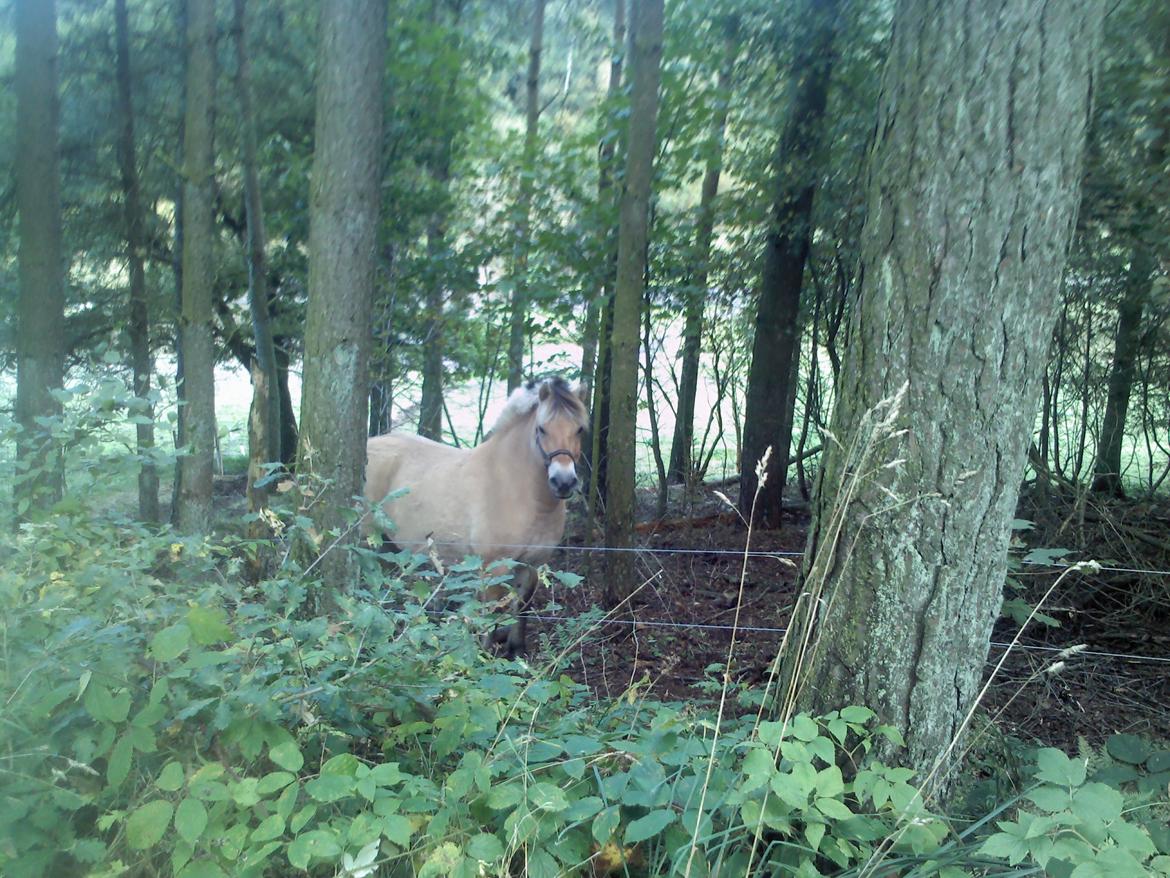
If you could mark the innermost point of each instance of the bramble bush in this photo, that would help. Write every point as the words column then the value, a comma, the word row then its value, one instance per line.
column 162, row 715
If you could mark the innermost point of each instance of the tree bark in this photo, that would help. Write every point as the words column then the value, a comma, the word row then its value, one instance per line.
column 264, row 418
column 972, row 194
column 40, row 342
column 595, row 361
column 193, row 507
column 141, row 363
column 797, row 166
column 680, row 468
column 520, row 285
column 605, row 157
column 1126, row 345
column 343, row 224
column 645, row 59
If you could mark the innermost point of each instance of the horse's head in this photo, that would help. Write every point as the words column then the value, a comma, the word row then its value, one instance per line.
column 561, row 421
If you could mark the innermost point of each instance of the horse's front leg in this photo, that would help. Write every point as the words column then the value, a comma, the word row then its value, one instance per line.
column 513, row 637
column 524, row 580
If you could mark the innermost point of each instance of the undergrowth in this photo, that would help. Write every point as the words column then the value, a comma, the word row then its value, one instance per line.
column 164, row 716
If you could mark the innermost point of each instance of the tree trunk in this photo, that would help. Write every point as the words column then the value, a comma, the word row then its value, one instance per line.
column 520, row 285
column 598, row 358
column 139, row 323
column 605, row 154
column 972, row 194
column 1107, row 469
column 645, row 60
column 343, row 224
column 193, row 507
column 264, row 418
column 289, row 435
column 680, row 469
column 40, row 341
column 797, row 166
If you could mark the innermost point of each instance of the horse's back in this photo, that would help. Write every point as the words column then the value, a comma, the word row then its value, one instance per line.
column 422, row 468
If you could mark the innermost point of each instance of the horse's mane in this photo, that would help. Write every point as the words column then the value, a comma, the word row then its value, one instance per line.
column 560, row 399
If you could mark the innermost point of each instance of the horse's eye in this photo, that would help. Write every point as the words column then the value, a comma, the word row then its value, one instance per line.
column 580, row 430
column 540, row 431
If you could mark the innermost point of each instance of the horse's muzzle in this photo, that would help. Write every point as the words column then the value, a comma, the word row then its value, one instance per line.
column 563, row 484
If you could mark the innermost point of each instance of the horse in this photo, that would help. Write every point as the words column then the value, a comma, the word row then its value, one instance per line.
column 502, row 499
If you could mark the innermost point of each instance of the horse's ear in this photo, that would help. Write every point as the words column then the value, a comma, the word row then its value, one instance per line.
column 544, row 391
column 581, row 389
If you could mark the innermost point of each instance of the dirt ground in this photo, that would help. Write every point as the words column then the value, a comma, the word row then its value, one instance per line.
column 679, row 624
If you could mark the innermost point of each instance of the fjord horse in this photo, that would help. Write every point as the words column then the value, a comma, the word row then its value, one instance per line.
column 502, row 499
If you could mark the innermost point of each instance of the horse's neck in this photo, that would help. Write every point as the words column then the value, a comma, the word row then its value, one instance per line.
column 510, row 459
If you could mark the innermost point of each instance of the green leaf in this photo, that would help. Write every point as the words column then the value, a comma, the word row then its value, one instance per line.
column 829, row 782
column 605, row 823
column 804, row 728
column 1051, row 798
column 397, row 829
column 170, row 778
column 547, row 797
column 118, row 766
column 648, row 826
column 814, row 832
column 201, row 869
column 1057, row 768
column 330, row 787
column 170, row 643
column 1158, row 762
column 190, row 819
column 1005, row 846
column 273, row 781
column 1128, row 748
column 1132, row 838
column 442, row 861
column 1095, row 802
column 270, row 827
column 147, row 825
column 583, row 809
column 580, row 745
column 209, row 625
column 857, row 714
column 320, row 843
column 758, row 768
column 504, row 796
column 485, row 848
column 287, row 756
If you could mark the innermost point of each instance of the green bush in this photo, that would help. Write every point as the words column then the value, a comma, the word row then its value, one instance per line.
column 163, row 716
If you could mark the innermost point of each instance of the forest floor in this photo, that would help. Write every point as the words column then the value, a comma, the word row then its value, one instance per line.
column 679, row 623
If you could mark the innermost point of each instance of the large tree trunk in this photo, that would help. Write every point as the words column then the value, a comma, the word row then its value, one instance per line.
column 520, row 286
column 1126, row 344
column 139, row 325
column 776, row 350
column 40, row 340
column 645, row 60
column 193, row 507
column 264, row 418
column 972, row 194
column 680, row 468
column 343, row 217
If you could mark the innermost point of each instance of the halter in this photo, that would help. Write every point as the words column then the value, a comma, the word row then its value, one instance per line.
column 549, row 455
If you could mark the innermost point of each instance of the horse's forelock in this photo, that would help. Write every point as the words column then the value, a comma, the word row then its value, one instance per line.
column 560, row 400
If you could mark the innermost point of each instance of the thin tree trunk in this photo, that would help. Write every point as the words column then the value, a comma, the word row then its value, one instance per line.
column 652, row 411
column 605, row 157
column 680, row 469
column 343, row 224
column 40, row 341
column 139, row 323
column 598, row 380
column 197, row 415
column 776, row 349
column 982, row 116
column 645, row 59
column 1107, row 468
column 520, row 285
column 264, row 419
